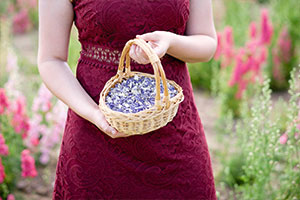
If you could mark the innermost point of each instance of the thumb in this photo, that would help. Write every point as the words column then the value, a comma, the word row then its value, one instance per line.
column 107, row 128
column 148, row 36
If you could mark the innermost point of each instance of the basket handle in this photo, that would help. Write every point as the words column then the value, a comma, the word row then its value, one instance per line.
column 156, row 64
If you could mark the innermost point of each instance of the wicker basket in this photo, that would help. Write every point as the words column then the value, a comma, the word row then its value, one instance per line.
column 150, row 119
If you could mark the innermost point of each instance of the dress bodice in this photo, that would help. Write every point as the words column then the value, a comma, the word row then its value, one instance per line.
column 113, row 22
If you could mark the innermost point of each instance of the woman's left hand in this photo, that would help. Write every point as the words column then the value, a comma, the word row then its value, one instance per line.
column 158, row 40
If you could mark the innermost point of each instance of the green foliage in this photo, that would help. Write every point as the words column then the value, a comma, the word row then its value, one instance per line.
column 74, row 50
column 225, row 95
column 4, row 6
column 285, row 14
column 201, row 74
column 34, row 17
column 263, row 1
column 233, row 172
column 12, row 162
column 261, row 167
column 4, row 38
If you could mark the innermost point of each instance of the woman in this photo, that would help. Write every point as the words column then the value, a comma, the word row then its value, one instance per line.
column 95, row 161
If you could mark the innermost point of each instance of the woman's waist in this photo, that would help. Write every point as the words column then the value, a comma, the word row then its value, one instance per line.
column 109, row 57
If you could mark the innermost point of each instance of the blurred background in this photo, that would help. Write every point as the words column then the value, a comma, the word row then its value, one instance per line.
column 248, row 98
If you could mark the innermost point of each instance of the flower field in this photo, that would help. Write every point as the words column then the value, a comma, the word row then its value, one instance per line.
column 250, row 91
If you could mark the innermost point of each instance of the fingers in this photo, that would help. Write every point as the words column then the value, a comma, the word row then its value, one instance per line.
column 152, row 36
column 138, row 54
column 105, row 127
column 110, row 131
column 100, row 121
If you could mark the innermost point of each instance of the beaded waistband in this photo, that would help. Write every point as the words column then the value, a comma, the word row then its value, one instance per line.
column 105, row 55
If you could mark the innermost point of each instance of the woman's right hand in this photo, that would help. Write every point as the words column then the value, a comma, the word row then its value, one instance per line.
column 99, row 120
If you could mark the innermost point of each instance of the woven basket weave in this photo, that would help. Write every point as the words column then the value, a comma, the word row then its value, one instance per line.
column 150, row 119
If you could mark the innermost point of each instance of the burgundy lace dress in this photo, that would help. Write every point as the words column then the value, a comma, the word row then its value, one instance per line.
column 170, row 163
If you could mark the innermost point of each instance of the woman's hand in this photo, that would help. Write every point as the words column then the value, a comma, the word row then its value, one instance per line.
column 158, row 40
column 99, row 120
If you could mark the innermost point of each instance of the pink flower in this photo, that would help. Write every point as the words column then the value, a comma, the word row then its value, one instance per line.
column 27, row 3
column 33, row 3
column 44, row 159
column 252, row 30
column 10, row 197
column 3, row 146
column 2, row 173
column 28, row 164
column 237, row 72
column 228, row 36
column 285, row 45
column 266, row 28
column 228, row 48
column 20, row 121
column 11, row 63
column 283, row 138
column 297, row 135
column 277, row 69
column 43, row 100
column 263, row 55
column 34, row 131
column 35, row 141
column 219, row 47
column 299, row 110
column 11, row 8
column 3, row 101
column 21, row 22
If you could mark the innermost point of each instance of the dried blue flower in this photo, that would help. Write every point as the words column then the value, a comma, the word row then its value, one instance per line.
column 135, row 94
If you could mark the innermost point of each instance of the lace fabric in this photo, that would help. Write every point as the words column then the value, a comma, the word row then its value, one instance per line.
column 102, row 54
column 170, row 163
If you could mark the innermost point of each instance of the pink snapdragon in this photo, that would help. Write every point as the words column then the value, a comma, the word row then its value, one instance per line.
column 219, row 47
column 52, row 136
column 28, row 164
column 252, row 30
column 277, row 70
column 21, row 22
column 27, row 3
column 238, row 69
column 46, row 133
column 34, row 132
column 10, row 197
column 20, row 121
column 250, row 58
column 43, row 100
column 2, row 173
column 11, row 62
column 3, row 101
column 283, row 138
column 285, row 45
column 266, row 28
column 282, row 53
column 3, row 147
column 228, row 48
